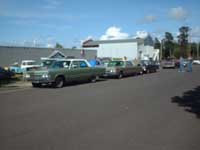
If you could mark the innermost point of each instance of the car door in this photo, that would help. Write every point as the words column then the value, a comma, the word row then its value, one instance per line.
column 85, row 70
column 130, row 68
column 74, row 73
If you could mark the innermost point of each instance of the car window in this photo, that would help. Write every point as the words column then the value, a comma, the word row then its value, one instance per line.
column 31, row 63
column 83, row 64
column 129, row 64
column 58, row 64
column 47, row 63
column 75, row 64
column 66, row 64
column 115, row 63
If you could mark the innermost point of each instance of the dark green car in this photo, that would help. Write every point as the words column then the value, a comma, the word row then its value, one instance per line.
column 121, row 68
column 58, row 72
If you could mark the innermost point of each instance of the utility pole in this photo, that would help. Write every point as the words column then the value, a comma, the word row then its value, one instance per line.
column 198, row 50
column 161, row 49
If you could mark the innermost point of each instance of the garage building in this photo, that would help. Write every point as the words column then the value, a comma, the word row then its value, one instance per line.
column 130, row 48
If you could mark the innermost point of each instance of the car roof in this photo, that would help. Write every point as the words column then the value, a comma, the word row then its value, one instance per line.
column 28, row 60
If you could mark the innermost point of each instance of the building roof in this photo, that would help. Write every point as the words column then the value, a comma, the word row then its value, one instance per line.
column 146, row 41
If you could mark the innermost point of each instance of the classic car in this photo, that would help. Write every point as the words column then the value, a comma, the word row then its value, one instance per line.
column 59, row 72
column 16, row 68
column 196, row 62
column 28, row 64
column 5, row 74
column 25, row 66
column 149, row 66
column 121, row 68
column 168, row 63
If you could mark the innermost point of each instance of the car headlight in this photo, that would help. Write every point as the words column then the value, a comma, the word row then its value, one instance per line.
column 27, row 76
column 113, row 70
column 45, row 76
column 144, row 68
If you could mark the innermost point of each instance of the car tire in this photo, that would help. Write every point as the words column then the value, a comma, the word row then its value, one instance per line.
column 94, row 79
column 120, row 75
column 36, row 85
column 59, row 82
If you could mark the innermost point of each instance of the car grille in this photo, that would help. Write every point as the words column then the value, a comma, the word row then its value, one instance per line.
column 35, row 76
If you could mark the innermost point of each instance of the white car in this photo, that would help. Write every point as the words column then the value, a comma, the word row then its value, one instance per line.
column 28, row 64
column 196, row 62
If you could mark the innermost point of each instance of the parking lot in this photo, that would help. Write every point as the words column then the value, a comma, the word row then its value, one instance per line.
column 158, row 111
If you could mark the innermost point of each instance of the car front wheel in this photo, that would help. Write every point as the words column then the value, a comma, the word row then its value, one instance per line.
column 120, row 75
column 59, row 82
column 94, row 79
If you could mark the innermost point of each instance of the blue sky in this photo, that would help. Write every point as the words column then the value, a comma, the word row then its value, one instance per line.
column 71, row 21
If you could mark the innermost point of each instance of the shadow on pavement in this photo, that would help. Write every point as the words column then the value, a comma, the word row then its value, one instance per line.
column 190, row 100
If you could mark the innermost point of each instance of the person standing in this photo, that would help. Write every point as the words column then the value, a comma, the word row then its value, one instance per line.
column 181, row 67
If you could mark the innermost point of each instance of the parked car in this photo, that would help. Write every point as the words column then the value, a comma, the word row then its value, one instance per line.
column 168, row 63
column 149, row 66
column 121, row 68
column 5, row 74
column 59, row 72
column 196, row 62
column 16, row 68
column 28, row 64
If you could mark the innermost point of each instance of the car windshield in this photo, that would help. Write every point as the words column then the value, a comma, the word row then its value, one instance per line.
column 31, row 63
column 47, row 63
column 60, row 64
column 115, row 63
column 145, row 62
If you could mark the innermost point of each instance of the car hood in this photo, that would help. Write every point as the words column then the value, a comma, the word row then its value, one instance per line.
column 38, row 71
column 111, row 68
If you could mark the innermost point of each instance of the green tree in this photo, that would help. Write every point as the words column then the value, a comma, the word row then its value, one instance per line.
column 168, row 45
column 193, row 49
column 176, row 52
column 58, row 46
column 183, row 40
column 156, row 44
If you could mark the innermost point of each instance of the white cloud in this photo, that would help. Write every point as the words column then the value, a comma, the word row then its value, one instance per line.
column 52, row 4
column 113, row 33
column 141, row 34
column 178, row 13
column 148, row 19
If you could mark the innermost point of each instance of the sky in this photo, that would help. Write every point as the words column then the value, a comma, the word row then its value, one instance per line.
column 70, row 22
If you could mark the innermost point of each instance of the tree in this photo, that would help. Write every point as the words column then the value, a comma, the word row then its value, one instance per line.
column 168, row 45
column 156, row 44
column 176, row 52
column 183, row 40
column 58, row 46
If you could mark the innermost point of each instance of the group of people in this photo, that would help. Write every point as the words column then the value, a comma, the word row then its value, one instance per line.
column 188, row 64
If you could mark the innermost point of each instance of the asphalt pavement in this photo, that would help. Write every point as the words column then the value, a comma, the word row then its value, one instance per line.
column 158, row 111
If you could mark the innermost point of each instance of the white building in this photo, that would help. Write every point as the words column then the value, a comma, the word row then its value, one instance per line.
column 129, row 48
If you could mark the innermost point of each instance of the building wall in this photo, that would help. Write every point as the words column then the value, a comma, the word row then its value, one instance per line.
column 118, row 50
column 148, row 51
column 9, row 55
